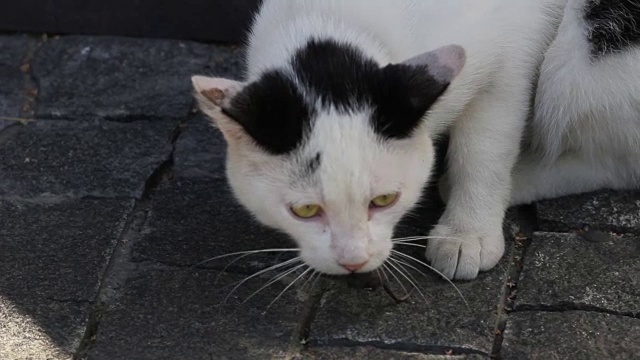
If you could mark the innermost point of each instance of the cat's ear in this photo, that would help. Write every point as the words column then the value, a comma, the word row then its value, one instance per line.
column 214, row 96
column 407, row 90
column 443, row 63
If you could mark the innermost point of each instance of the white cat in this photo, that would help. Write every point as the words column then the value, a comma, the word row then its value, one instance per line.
column 330, row 138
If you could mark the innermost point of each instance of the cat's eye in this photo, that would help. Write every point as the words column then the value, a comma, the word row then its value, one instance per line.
column 384, row 200
column 306, row 211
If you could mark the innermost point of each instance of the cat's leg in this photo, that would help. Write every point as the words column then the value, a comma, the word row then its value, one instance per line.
column 571, row 174
column 482, row 151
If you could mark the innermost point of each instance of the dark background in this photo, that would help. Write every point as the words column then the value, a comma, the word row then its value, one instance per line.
column 204, row 20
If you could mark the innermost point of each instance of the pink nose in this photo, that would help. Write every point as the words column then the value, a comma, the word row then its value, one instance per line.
column 354, row 267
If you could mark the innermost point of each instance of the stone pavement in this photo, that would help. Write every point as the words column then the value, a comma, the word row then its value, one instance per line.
column 112, row 191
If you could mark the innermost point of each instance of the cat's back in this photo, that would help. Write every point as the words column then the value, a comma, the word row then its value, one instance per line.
column 402, row 28
column 282, row 26
column 589, row 86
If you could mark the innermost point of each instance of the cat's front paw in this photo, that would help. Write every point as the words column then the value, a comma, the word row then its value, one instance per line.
column 462, row 254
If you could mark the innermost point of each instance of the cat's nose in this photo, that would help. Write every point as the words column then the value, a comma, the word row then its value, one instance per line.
column 354, row 267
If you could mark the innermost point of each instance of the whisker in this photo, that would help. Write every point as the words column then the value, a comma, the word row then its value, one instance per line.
column 386, row 278
column 409, row 265
column 315, row 281
column 399, row 261
column 258, row 273
column 384, row 265
column 249, row 252
column 410, row 244
column 308, row 281
column 409, row 279
column 378, row 273
column 409, row 238
column 434, row 270
column 287, row 288
column 227, row 266
column 274, row 280
column 415, row 238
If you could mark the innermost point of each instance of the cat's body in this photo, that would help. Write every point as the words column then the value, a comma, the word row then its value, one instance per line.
column 344, row 99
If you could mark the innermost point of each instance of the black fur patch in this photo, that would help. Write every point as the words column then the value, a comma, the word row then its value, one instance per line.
column 273, row 113
column 308, row 167
column 314, row 163
column 613, row 25
column 341, row 76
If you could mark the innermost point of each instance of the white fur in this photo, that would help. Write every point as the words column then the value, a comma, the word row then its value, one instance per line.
column 586, row 124
column 586, row 128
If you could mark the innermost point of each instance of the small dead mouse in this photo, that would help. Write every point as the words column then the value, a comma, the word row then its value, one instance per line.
column 372, row 281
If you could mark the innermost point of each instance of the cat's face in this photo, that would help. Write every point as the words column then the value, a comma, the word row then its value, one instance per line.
column 331, row 149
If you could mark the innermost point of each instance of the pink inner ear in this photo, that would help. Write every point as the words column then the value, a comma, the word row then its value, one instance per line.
column 444, row 63
column 452, row 57
column 204, row 83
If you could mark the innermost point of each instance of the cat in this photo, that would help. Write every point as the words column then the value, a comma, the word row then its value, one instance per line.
column 331, row 136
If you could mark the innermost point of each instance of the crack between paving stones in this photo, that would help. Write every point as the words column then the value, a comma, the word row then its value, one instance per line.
column 522, row 240
column 135, row 219
column 120, row 265
column 73, row 301
column 401, row 346
column 301, row 335
column 170, row 264
column 569, row 306
column 8, row 132
column 31, row 84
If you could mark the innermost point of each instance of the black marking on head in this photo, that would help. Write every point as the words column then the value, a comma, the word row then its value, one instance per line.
column 308, row 168
column 313, row 164
column 405, row 93
column 340, row 75
column 613, row 25
column 273, row 112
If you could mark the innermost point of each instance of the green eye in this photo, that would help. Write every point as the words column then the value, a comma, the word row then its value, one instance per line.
column 384, row 200
column 306, row 211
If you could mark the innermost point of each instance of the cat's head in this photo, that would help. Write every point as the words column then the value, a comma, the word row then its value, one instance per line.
column 332, row 148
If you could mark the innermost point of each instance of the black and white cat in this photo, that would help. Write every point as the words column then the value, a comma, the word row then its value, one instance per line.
column 330, row 138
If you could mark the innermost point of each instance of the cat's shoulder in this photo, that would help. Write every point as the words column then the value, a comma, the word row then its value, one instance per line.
column 612, row 25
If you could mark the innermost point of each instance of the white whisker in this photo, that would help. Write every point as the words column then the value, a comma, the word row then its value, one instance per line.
column 315, row 281
column 384, row 265
column 416, row 238
column 227, row 266
column 409, row 279
column 249, row 252
column 274, row 280
column 386, row 278
column 410, row 244
column 409, row 238
column 313, row 273
column 288, row 262
column 434, row 270
column 288, row 286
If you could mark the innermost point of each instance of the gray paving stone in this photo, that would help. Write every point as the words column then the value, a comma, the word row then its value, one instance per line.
column 66, row 158
column 200, row 151
column 571, row 335
column 126, row 78
column 181, row 314
column 54, row 336
column 12, row 50
column 568, row 270
column 196, row 220
column 373, row 353
column 442, row 321
column 52, row 257
column 605, row 210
